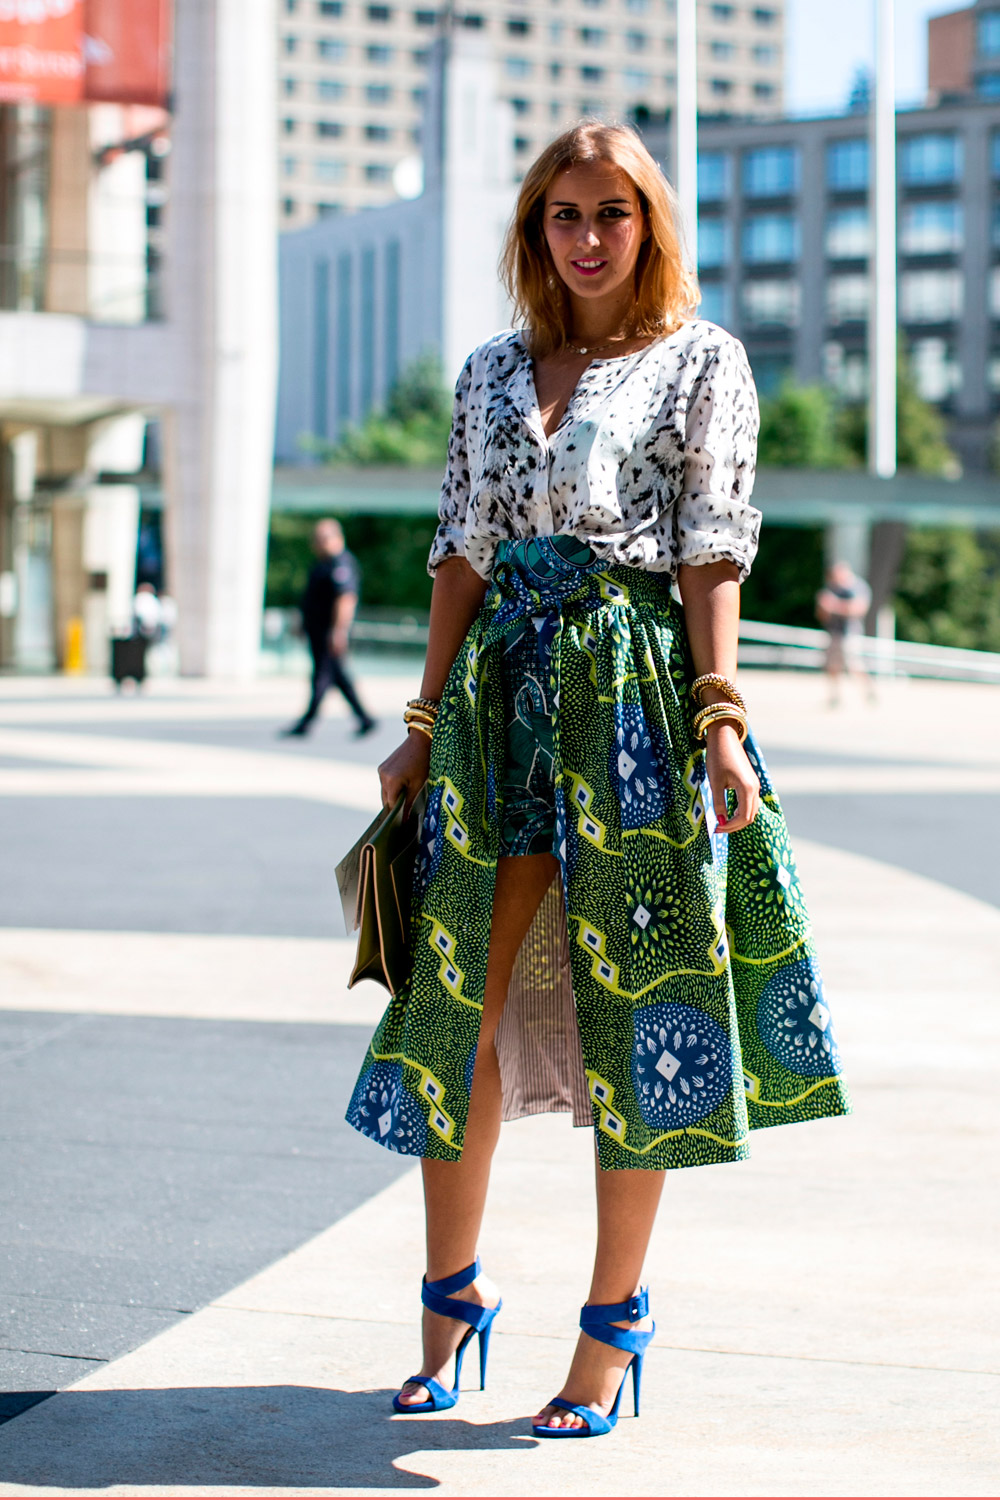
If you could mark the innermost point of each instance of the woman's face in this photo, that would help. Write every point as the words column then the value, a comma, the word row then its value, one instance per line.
column 594, row 228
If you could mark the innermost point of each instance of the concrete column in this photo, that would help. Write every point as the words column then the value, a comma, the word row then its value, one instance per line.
column 221, row 293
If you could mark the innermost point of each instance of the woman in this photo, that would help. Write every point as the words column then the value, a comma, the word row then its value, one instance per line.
column 576, row 942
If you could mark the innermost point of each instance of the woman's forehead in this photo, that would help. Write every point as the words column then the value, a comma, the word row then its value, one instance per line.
column 591, row 179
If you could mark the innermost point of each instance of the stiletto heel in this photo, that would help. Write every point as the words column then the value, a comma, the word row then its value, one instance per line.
column 598, row 1323
column 435, row 1295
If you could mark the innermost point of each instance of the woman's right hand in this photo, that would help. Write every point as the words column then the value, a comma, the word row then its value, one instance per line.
column 405, row 770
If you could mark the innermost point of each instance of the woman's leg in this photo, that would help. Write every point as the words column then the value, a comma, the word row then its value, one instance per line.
column 626, row 1210
column 455, row 1191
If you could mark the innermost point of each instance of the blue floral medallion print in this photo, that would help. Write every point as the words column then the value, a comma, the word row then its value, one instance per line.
column 431, row 843
column 794, row 1022
column 382, row 1109
column 681, row 1065
column 637, row 770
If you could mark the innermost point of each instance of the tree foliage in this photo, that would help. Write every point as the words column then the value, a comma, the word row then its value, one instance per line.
column 412, row 429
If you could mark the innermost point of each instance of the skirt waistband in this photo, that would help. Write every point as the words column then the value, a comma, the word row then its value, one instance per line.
column 556, row 574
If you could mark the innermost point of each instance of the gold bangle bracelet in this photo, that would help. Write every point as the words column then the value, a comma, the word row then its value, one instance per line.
column 431, row 704
column 419, row 713
column 717, row 711
column 422, row 729
column 722, row 684
column 734, row 718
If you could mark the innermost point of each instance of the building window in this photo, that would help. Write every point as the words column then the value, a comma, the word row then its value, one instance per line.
column 713, row 176
column 326, row 210
column 518, row 67
column 764, row 16
column 330, row 9
column 715, row 303
column 988, row 34
column 521, row 144
column 291, row 6
column 723, row 50
column 723, row 12
column 519, row 28
column 290, row 44
column 994, row 292
column 555, row 70
column 520, row 106
column 473, row 23
column 288, row 207
column 930, row 296
column 289, row 126
column 289, row 87
column 848, row 299
column 848, row 234
column 721, row 88
column 930, row 228
column 996, row 226
column 713, row 243
column 418, row 97
column 325, row 170
column 420, row 57
column 425, row 17
column 591, row 74
column 770, row 239
column 380, row 12
column 637, row 7
column 378, row 93
column 988, row 85
column 556, row 30
column 378, row 171
column 765, row 55
column 636, row 41
column 774, row 303
column 378, row 132
column 937, row 374
column 847, row 165
column 763, row 90
column 593, row 36
column 770, row 171
column 930, row 158
column 328, row 89
column 329, row 128
column 289, row 166
column 636, row 80
column 330, row 50
column 379, row 55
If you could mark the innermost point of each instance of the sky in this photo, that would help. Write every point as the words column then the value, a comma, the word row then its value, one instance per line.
column 829, row 39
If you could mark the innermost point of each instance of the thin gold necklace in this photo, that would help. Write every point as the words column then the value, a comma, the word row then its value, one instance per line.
column 621, row 338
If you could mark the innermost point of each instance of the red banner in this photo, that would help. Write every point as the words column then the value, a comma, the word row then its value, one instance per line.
column 41, row 51
column 126, row 46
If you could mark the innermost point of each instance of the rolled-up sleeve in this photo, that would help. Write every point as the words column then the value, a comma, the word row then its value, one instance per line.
column 449, row 539
column 714, row 520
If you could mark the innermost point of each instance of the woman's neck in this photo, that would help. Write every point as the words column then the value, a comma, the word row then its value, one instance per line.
column 596, row 321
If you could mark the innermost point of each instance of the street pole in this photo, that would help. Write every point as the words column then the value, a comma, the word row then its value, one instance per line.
column 882, row 318
column 686, row 124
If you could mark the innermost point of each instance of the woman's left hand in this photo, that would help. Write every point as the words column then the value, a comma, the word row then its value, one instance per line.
column 730, row 770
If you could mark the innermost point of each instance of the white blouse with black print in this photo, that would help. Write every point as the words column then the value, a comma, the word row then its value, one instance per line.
column 652, row 463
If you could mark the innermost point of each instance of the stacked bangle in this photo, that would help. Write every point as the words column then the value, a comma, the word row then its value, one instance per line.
column 721, row 684
column 420, row 714
column 716, row 713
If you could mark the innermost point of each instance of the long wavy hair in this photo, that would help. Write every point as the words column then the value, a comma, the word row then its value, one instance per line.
column 666, row 292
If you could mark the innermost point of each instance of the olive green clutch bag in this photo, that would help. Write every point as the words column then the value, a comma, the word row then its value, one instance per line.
column 376, row 888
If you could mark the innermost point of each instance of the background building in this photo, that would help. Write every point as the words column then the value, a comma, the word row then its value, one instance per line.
column 784, row 240
column 353, row 80
column 121, row 312
column 963, row 52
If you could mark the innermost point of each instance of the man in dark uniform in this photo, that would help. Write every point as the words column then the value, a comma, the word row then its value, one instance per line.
column 328, row 606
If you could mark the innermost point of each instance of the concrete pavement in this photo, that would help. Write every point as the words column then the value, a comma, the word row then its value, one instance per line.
column 827, row 1314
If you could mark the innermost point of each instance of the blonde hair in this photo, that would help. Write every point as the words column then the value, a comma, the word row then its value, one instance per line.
column 666, row 292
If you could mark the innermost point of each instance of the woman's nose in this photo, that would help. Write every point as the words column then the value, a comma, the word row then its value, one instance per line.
column 587, row 237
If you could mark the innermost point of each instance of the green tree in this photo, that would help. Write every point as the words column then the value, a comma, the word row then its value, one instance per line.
column 799, row 429
column 948, row 593
column 920, row 428
column 412, row 429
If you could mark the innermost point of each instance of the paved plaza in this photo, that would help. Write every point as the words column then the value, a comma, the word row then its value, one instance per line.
column 209, row 1284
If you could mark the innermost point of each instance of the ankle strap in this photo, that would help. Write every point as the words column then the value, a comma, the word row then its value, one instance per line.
column 617, row 1312
column 455, row 1283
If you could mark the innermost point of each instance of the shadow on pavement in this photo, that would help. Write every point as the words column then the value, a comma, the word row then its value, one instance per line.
column 268, row 1436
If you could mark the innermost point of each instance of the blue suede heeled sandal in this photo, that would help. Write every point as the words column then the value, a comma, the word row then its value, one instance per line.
column 598, row 1323
column 434, row 1294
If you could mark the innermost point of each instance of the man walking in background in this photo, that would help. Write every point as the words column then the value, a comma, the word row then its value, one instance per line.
column 841, row 606
column 328, row 606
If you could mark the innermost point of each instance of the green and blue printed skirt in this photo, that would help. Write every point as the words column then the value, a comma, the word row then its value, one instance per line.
column 696, row 1009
